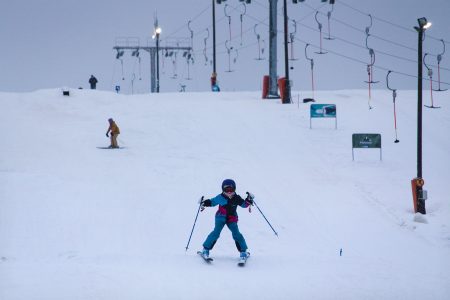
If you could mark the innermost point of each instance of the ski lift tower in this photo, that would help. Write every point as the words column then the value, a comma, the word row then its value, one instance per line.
column 273, row 77
column 127, row 43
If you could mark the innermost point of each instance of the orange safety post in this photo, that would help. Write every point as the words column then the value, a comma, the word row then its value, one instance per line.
column 265, row 88
column 282, row 87
column 417, row 183
column 414, row 191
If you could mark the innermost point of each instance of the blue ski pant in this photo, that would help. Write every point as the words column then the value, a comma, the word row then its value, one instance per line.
column 220, row 222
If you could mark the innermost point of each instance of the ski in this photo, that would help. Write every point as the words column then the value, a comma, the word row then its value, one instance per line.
column 207, row 259
column 110, row 148
column 243, row 260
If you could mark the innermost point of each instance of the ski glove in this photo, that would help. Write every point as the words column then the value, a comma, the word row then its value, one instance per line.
column 250, row 198
column 107, row 135
column 204, row 203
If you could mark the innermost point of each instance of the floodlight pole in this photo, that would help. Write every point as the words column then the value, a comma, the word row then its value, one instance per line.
column 214, row 73
column 419, row 103
column 419, row 180
column 286, row 98
column 157, row 62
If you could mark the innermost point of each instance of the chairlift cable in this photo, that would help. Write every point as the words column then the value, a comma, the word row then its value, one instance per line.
column 365, row 63
column 363, row 47
column 377, row 67
column 218, row 20
column 375, row 36
column 192, row 19
column 246, row 31
column 386, row 21
column 360, row 46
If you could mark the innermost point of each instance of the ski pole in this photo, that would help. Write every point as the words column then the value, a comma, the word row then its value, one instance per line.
column 264, row 217
column 195, row 221
column 120, row 141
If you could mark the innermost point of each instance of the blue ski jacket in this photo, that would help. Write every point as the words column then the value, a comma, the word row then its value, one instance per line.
column 227, row 206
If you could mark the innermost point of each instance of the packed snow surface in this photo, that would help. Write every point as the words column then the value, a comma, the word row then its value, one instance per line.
column 78, row 222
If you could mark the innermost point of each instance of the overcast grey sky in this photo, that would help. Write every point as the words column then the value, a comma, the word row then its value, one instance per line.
column 56, row 43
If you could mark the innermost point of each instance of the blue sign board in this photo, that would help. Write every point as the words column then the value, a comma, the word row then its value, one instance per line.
column 323, row 111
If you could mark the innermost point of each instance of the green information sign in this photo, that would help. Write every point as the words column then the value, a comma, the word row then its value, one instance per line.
column 323, row 111
column 366, row 140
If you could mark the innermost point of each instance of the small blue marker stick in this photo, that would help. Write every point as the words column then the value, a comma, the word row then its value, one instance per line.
column 340, row 252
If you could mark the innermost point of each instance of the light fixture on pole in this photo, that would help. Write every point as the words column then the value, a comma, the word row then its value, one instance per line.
column 419, row 194
column 156, row 35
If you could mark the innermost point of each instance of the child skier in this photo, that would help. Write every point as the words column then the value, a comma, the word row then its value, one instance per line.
column 115, row 131
column 228, row 201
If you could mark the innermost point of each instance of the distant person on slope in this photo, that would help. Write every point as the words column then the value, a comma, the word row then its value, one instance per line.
column 214, row 85
column 114, row 130
column 228, row 201
column 93, row 82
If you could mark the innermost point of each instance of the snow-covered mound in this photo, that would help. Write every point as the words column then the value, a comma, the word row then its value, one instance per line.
column 78, row 222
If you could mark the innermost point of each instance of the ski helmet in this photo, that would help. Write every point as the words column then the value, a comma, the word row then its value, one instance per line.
column 228, row 183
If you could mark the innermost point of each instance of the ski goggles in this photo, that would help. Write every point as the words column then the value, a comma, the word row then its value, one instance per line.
column 228, row 189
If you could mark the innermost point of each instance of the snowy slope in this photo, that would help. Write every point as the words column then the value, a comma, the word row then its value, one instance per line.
column 77, row 222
